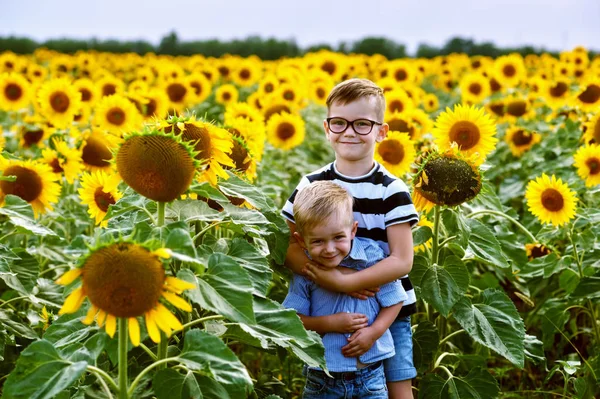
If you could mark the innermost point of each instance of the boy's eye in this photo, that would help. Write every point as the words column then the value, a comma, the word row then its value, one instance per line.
column 340, row 237
column 337, row 122
column 316, row 242
column 362, row 123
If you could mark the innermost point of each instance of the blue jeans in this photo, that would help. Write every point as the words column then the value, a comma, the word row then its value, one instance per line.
column 368, row 382
column 400, row 367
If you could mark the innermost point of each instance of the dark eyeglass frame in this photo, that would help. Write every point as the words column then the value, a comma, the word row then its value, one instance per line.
column 351, row 123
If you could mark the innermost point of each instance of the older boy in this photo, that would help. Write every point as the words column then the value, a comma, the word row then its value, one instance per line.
column 383, row 209
column 325, row 229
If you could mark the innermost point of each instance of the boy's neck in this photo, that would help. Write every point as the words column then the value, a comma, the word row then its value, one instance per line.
column 353, row 169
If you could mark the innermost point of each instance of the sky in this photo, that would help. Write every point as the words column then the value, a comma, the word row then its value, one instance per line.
column 550, row 24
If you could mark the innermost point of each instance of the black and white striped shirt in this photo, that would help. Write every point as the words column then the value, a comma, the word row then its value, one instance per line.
column 380, row 200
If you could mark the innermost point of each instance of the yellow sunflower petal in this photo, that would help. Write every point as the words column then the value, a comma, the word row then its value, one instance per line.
column 101, row 318
column 167, row 317
column 73, row 301
column 164, row 253
column 111, row 325
column 152, row 328
column 177, row 301
column 134, row 331
column 69, row 277
column 91, row 315
column 161, row 323
column 176, row 285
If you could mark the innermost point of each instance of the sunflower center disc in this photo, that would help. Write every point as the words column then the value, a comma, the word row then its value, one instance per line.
column 593, row 165
column 328, row 67
column 276, row 109
column 391, row 151
column 95, row 153
column 86, row 95
column 400, row 125
column 559, row 89
column 103, row 200
column 28, row 185
column 123, row 280
column 400, row 75
column 285, row 131
column 465, row 134
column 55, row 165
column 59, row 102
column 552, row 200
column 176, row 92
column 509, row 71
column 116, row 116
column 522, row 137
column 475, row 88
column 32, row 137
column 13, row 92
column 591, row 95
column 109, row 89
column 396, row 106
column 239, row 155
column 517, row 108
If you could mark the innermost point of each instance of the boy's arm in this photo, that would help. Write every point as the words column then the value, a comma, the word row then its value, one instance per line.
column 362, row 340
column 396, row 265
column 338, row 322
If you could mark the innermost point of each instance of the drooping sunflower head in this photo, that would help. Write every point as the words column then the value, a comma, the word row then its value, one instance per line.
column 157, row 165
column 467, row 127
column 285, row 131
column 35, row 183
column 59, row 102
column 126, row 280
column 98, row 191
column 15, row 92
column 396, row 152
column 210, row 143
column 447, row 179
column 587, row 162
column 520, row 139
column 551, row 200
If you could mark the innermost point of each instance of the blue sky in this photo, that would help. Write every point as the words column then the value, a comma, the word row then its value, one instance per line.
column 552, row 24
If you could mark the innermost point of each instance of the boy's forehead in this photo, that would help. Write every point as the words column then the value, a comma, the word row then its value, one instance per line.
column 364, row 107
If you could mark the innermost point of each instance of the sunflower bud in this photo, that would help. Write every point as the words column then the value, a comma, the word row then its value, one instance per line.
column 447, row 180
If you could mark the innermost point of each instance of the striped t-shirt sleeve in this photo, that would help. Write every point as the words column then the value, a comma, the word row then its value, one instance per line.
column 288, row 209
column 398, row 205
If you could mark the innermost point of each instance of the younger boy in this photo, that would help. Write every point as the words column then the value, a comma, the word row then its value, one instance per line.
column 355, row 332
column 382, row 207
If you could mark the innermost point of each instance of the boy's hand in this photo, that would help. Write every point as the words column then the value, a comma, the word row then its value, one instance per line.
column 349, row 322
column 364, row 294
column 331, row 279
column 360, row 342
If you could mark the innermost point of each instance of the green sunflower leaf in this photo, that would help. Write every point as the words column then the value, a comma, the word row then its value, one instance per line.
column 483, row 245
column 41, row 373
column 20, row 215
column 426, row 340
column 495, row 323
column 478, row 384
column 443, row 286
column 170, row 384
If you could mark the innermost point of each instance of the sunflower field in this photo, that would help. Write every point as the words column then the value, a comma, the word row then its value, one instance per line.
column 142, row 246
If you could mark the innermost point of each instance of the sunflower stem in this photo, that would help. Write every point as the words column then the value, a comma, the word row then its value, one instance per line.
column 104, row 375
column 161, row 351
column 435, row 238
column 161, row 214
column 123, row 358
column 505, row 216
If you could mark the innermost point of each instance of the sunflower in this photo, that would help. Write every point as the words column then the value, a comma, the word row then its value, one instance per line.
column 510, row 70
column 421, row 122
column 563, row 70
column 587, row 162
column 430, row 102
column 550, row 200
column 592, row 130
column 243, row 158
column 520, row 140
column 285, row 131
column 201, row 87
column 33, row 132
column 98, row 191
column 518, row 107
column 588, row 97
column 10, row 62
column 59, row 102
column 127, row 280
column 474, row 88
column 36, row 74
column 116, row 114
column 156, row 165
column 35, row 183
column 226, row 94
column 151, row 104
column 246, row 73
column 470, row 128
column 96, row 150
column 110, row 85
column 423, row 247
column 211, row 144
column 253, row 134
column 268, row 84
column 63, row 159
column 422, row 204
column 273, row 106
column 90, row 93
column 556, row 92
column 14, row 92
column 396, row 152
column 398, row 101
column 242, row 110
column 447, row 179
column 403, row 123
column 401, row 71
column 179, row 93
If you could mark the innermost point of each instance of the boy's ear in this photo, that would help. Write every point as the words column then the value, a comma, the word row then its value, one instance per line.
column 325, row 127
column 299, row 239
column 382, row 132
column 354, row 228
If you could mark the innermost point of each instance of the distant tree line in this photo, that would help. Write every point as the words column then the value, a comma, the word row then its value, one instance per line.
column 266, row 49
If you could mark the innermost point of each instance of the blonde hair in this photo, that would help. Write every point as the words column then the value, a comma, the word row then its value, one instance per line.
column 315, row 203
column 354, row 89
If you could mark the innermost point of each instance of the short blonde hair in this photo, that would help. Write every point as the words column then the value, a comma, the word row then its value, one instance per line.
column 354, row 89
column 315, row 203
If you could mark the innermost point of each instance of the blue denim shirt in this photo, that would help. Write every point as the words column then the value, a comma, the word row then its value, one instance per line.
column 308, row 299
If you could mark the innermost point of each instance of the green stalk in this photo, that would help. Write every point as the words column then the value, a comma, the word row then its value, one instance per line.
column 161, row 214
column 162, row 350
column 505, row 216
column 436, row 232
column 147, row 370
column 123, row 358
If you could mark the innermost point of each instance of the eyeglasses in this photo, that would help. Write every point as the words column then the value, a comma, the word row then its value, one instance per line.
column 361, row 126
